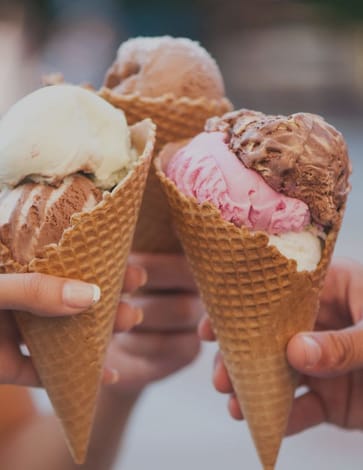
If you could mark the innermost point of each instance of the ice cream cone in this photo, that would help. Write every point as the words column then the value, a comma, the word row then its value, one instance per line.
column 256, row 300
column 176, row 119
column 69, row 352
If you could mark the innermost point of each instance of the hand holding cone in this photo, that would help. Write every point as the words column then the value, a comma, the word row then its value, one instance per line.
column 256, row 299
column 68, row 353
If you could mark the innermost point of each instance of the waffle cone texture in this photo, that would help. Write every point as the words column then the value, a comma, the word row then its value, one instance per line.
column 256, row 301
column 69, row 352
column 176, row 119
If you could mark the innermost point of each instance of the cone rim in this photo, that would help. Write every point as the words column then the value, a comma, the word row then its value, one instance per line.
column 243, row 231
column 145, row 154
column 105, row 92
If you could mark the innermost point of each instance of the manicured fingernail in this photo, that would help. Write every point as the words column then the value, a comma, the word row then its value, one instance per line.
column 143, row 276
column 312, row 351
column 110, row 376
column 78, row 294
column 114, row 376
column 139, row 316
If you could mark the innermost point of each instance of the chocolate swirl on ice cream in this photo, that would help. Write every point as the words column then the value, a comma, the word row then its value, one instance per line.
column 34, row 215
column 300, row 155
column 73, row 145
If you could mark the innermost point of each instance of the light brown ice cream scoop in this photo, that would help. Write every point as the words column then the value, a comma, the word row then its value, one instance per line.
column 300, row 155
column 34, row 215
column 155, row 66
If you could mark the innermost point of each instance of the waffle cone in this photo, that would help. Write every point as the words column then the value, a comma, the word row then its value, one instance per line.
column 176, row 119
column 256, row 301
column 69, row 352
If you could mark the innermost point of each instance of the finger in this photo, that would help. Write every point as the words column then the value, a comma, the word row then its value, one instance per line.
column 335, row 282
column 139, row 365
column 46, row 295
column 234, row 408
column 303, row 380
column 342, row 291
column 135, row 277
column 169, row 312
column 205, row 330
column 329, row 353
column 110, row 375
column 132, row 373
column 165, row 271
column 127, row 317
column 221, row 379
column 15, row 368
column 307, row 411
column 181, row 345
column 25, row 374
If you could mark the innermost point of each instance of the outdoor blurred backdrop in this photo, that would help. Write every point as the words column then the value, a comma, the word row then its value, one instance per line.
column 277, row 56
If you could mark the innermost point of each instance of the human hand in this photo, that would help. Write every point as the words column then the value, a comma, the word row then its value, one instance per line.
column 330, row 359
column 45, row 295
column 167, row 338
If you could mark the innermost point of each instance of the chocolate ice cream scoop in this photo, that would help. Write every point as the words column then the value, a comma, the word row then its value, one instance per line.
column 300, row 155
column 159, row 65
column 36, row 214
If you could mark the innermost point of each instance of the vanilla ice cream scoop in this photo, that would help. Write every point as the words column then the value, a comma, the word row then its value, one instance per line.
column 94, row 138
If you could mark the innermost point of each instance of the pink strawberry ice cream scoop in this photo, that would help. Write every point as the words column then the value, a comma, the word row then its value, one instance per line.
column 209, row 171
column 286, row 176
column 301, row 156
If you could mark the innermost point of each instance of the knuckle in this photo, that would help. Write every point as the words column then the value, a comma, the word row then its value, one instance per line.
column 343, row 352
column 33, row 287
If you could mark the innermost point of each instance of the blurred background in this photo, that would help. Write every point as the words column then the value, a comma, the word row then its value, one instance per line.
column 276, row 56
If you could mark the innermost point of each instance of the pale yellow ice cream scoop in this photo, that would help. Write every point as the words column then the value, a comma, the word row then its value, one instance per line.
column 72, row 176
column 95, row 138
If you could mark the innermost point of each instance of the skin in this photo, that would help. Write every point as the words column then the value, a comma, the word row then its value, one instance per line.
column 44, row 296
column 166, row 340
column 155, row 335
column 330, row 359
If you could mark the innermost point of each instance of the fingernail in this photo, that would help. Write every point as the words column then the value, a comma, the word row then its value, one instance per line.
column 139, row 316
column 110, row 376
column 78, row 294
column 143, row 277
column 114, row 376
column 312, row 351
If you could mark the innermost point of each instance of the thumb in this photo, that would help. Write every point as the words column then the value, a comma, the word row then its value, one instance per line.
column 46, row 295
column 329, row 353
